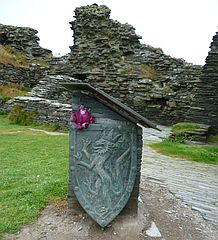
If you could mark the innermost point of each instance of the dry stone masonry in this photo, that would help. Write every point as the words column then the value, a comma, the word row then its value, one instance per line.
column 24, row 40
column 23, row 76
column 51, row 104
column 204, row 108
column 109, row 55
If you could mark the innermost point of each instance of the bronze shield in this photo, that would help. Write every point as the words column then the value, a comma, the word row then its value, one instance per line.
column 103, row 165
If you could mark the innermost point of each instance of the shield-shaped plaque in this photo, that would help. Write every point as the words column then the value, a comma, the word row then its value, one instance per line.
column 103, row 168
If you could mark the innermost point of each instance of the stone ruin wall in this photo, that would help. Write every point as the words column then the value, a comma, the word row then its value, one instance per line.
column 204, row 108
column 51, row 102
column 25, row 41
column 108, row 55
column 27, row 77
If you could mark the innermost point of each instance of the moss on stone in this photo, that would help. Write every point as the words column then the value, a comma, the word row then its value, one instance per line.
column 147, row 71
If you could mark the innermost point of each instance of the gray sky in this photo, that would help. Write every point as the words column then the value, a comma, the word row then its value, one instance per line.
column 182, row 28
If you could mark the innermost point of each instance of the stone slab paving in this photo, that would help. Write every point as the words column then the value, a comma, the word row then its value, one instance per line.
column 153, row 135
column 194, row 183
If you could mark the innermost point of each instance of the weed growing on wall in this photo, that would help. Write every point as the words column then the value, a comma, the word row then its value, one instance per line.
column 179, row 132
column 9, row 56
column 8, row 91
column 147, row 71
column 144, row 71
column 19, row 116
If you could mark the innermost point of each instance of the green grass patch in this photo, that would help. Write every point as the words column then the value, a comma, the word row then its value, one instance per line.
column 200, row 153
column 7, row 126
column 213, row 139
column 19, row 116
column 182, row 127
column 51, row 127
column 33, row 171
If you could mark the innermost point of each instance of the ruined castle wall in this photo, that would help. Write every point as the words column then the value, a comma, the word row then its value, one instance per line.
column 108, row 55
column 204, row 107
column 51, row 102
column 22, row 76
column 24, row 40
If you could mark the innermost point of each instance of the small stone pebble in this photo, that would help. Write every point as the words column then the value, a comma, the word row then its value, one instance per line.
column 80, row 228
column 169, row 212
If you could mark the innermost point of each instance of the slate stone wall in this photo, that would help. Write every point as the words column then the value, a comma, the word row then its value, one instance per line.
column 22, row 76
column 109, row 55
column 204, row 107
column 52, row 104
column 24, row 40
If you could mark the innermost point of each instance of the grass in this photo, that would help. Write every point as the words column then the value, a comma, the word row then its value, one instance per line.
column 8, row 126
column 213, row 139
column 33, row 171
column 199, row 153
column 182, row 127
column 11, row 90
column 175, row 147
column 19, row 116
column 9, row 56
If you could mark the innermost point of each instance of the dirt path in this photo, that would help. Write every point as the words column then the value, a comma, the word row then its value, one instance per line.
column 169, row 217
